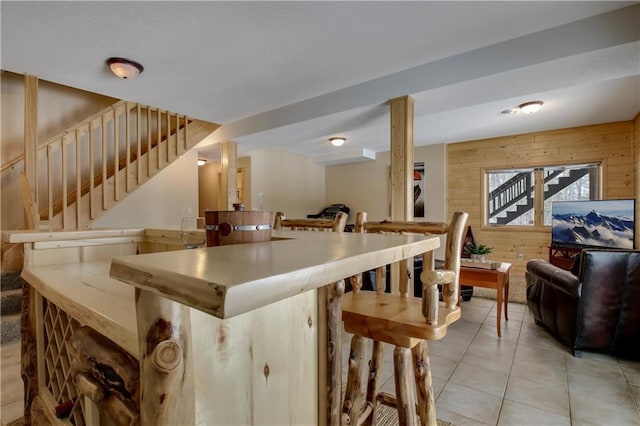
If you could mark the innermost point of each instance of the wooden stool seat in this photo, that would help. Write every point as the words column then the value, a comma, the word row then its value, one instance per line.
column 393, row 319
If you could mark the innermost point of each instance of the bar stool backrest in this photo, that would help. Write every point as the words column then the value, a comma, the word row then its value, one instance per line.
column 336, row 225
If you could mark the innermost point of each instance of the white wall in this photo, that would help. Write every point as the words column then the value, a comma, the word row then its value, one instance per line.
column 365, row 186
column 160, row 202
column 283, row 181
column 59, row 107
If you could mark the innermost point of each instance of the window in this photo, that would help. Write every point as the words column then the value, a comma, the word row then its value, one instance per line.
column 511, row 194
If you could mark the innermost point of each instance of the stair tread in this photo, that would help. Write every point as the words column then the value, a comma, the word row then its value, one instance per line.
column 11, row 281
column 10, row 329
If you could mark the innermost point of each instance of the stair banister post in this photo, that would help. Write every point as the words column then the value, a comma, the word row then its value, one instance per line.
column 31, row 137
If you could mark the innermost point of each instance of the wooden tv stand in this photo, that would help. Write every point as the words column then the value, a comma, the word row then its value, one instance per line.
column 562, row 257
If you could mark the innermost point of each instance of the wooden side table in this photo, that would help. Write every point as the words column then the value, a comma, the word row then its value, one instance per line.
column 497, row 279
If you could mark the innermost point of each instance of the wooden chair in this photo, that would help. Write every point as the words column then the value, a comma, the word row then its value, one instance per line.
column 404, row 321
column 336, row 224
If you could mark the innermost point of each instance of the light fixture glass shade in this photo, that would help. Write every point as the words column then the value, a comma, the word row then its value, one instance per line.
column 124, row 68
column 337, row 141
column 530, row 107
column 201, row 161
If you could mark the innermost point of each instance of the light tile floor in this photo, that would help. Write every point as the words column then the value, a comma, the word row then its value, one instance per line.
column 524, row 378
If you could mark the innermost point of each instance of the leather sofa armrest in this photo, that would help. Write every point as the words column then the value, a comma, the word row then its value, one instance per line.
column 559, row 279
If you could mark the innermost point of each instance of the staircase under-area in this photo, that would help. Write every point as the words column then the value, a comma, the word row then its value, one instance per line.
column 514, row 198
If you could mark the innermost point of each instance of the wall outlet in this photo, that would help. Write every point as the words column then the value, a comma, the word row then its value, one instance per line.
column 189, row 210
column 520, row 256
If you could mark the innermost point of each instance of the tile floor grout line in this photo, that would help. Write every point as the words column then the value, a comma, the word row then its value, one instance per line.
column 460, row 360
column 566, row 370
column 626, row 381
column 504, row 395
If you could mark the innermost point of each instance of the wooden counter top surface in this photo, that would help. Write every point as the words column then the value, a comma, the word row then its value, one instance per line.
column 230, row 280
column 85, row 291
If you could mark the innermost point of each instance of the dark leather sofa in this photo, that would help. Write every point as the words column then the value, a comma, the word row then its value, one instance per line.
column 595, row 307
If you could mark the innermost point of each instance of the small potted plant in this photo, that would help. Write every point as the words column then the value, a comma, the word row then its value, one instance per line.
column 477, row 251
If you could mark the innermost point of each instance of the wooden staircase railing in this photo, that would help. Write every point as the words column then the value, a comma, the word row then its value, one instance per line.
column 85, row 170
column 511, row 193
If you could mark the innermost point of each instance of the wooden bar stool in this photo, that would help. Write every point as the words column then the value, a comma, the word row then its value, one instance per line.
column 336, row 224
column 405, row 322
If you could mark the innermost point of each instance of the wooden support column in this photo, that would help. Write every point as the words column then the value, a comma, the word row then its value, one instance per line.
column 228, row 179
column 401, row 179
column 401, row 158
column 31, row 135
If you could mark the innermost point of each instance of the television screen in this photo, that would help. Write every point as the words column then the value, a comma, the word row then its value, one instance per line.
column 600, row 223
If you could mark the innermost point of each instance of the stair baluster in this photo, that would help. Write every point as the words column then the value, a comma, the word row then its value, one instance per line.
column 105, row 146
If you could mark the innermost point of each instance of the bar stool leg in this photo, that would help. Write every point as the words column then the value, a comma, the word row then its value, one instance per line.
column 424, row 388
column 375, row 372
column 355, row 400
column 405, row 392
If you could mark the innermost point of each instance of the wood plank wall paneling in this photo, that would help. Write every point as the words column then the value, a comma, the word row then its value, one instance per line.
column 611, row 143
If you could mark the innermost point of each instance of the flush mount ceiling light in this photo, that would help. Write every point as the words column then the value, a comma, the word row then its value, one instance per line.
column 530, row 107
column 201, row 161
column 125, row 68
column 338, row 141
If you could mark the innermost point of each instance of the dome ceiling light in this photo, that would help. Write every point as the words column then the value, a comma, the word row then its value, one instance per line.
column 527, row 107
column 337, row 141
column 125, row 68
column 530, row 107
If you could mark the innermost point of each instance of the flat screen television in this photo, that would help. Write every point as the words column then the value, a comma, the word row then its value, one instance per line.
column 599, row 223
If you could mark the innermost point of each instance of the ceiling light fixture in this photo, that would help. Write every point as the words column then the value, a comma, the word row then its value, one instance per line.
column 337, row 141
column 201, row 161
column 125, row 68
column 510, row 111
column 530, row 107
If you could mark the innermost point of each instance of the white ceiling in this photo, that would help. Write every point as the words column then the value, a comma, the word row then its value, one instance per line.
column 292, row 74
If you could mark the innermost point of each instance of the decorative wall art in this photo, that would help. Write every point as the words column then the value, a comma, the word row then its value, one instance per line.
column 419, row 205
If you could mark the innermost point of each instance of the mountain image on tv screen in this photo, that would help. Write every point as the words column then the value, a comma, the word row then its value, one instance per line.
column 607, row 223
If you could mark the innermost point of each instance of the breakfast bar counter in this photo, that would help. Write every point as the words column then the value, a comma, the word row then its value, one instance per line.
column 226, row 281
column 226, row 335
